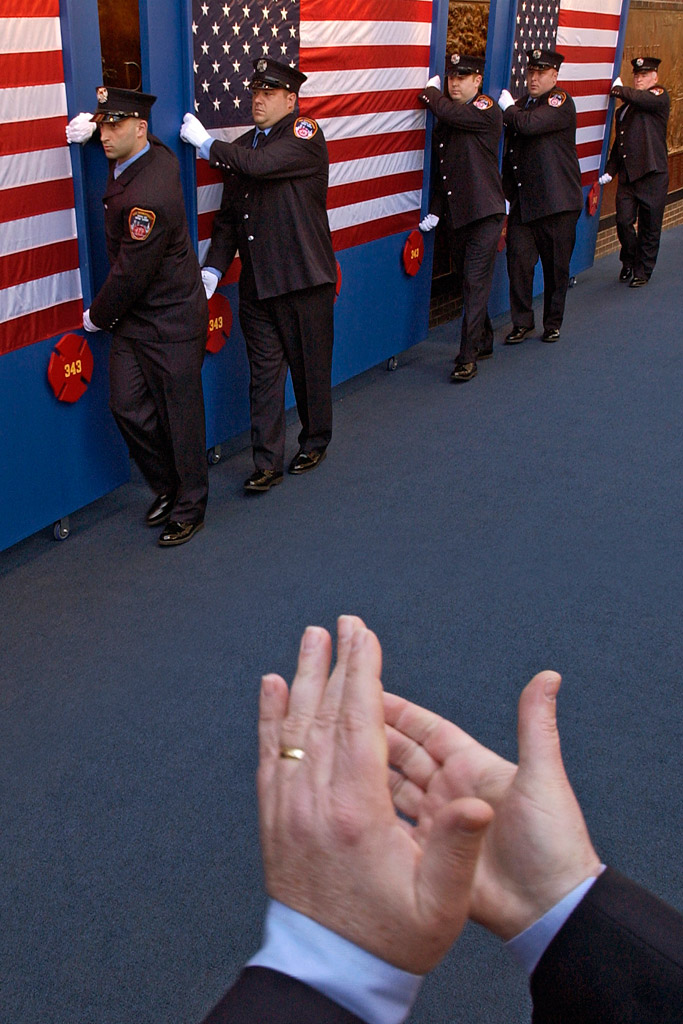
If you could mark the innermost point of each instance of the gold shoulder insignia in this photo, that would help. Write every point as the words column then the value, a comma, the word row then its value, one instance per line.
column 305, row 127
column 483, row 102
column 140, row 223
column 657, row 90
column 556, row 99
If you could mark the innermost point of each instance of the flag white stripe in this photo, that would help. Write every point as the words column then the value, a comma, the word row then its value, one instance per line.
column 29, row 35
column 592, row 7
column 587, row 103
column 336, row 83
column 209, row 197
column 586, row 72
column 591, row 133
column 26, row 298
column 364, row 33
column 30, row 232
column 589, row 163
column 367, row 168
column 373, row 124
column 373, row 209
column 31, row 102
column 28, row 168
column 586, row 37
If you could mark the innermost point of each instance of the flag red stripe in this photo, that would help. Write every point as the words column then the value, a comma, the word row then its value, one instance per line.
column 588, row 177
column 373, row 188
column 375, row 145
column 365, row 10
column 585, row 118
column 206, row 174
column 588, row 19
column 45, row 323
column 205, row 224
column 349, row 58
column 595, row 87
column 588, row 54
column 29, row 265
column 371, row 230
column 32, row 200
column 352, row 104
column 30, row 8
column 22, row 69
column 30, row 136
column 589, row 148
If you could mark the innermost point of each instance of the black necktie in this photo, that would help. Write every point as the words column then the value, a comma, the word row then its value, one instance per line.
column 258, row 139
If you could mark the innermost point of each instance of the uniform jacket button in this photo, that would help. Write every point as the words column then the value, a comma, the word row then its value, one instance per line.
column 246, row 216
column 250, row 238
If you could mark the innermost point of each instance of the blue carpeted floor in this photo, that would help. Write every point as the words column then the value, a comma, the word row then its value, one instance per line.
column 529, row 519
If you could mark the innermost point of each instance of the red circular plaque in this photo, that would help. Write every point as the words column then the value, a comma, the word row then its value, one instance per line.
column 337, row 287
column 413, row 253
column 70, row 368
column 220, row 322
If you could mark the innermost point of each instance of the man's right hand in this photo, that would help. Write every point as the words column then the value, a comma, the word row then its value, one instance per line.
column 429, row 222
column 193, row 131
column 80, row 128
column 604, row 179
column 210, row 282
column 537, row 849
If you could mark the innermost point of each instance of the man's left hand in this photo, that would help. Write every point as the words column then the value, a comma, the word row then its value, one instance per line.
column 433, row 83
column 505, row 100
column 333, row 847
column 193, row 131
column 87, row 322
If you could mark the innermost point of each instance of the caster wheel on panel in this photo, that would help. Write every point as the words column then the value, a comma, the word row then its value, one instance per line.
column 572, row 282
column 61, row 529
column 213, row 456
column 392, row 363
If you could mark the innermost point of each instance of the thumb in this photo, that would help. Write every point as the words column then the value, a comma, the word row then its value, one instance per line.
column 540, row 756
column 449, row 859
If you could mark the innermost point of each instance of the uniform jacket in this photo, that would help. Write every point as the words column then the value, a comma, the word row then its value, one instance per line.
column 154, row 289
column 639, row 145
column 466, row 140
column 618, row 959
column 540, row 165
column 274, row 208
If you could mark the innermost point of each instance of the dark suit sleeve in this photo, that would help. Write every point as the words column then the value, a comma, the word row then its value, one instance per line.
column 262, row 996
column 655, row 100
column 284, row 156
column 542, row 119
column 617, row 960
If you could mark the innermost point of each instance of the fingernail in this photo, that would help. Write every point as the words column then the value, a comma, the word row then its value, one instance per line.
column 358, row 639
column 551, row 687
column 310, row 639
column 267, row 687
column 344, row 627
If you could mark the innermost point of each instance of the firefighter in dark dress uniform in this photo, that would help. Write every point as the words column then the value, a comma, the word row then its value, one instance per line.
column 469, row 192
column 273, row 211
column 639, row 157
column 542, row 182
column 154, row 305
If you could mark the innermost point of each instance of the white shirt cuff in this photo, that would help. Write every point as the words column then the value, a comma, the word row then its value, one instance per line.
column 529, row 946
column 373, row 989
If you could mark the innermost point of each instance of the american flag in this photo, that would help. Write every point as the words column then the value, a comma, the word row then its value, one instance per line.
column 586, row 32
column 366, row 61
column 40, row 283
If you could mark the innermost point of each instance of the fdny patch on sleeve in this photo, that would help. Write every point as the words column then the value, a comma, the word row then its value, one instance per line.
column 305, row 127
column 483, row 102
column 656, row 90
column 140, row 223
column 557, row 99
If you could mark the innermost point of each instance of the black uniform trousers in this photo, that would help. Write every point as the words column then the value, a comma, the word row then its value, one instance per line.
column 157, row 400
column 473, row 252
column 643, row 200
column 552, row 238
column 294, row 330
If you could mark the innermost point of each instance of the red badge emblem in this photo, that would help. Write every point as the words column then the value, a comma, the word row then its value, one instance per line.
column 413, row 253
column 70, row 368
column 220, row 323
column 305, row 127
column 557, row 99
column 140, row 223
column 483, row 102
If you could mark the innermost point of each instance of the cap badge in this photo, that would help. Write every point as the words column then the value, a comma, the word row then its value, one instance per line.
column 455, row 59
column 261, row 65
column 536, row 54
column 102, row 94
column 640, row 62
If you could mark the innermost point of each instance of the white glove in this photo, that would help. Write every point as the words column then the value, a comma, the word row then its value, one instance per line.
column 193, row 131
column 505, row 100
column 617, row 81
column 434, row 82
column 210, row 281
column 80, row 128
column 87, row 322
column 604, row 179
column 429, row 222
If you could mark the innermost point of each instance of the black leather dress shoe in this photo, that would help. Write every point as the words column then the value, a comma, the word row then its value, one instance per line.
column 484, row 353
column 638, row 282
column 304, row 461
column 178, row 533
column 463, row 372
column 552, row 334
column 626, row 274
column 262, row 480
column 517, row 334
column 160, row 509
